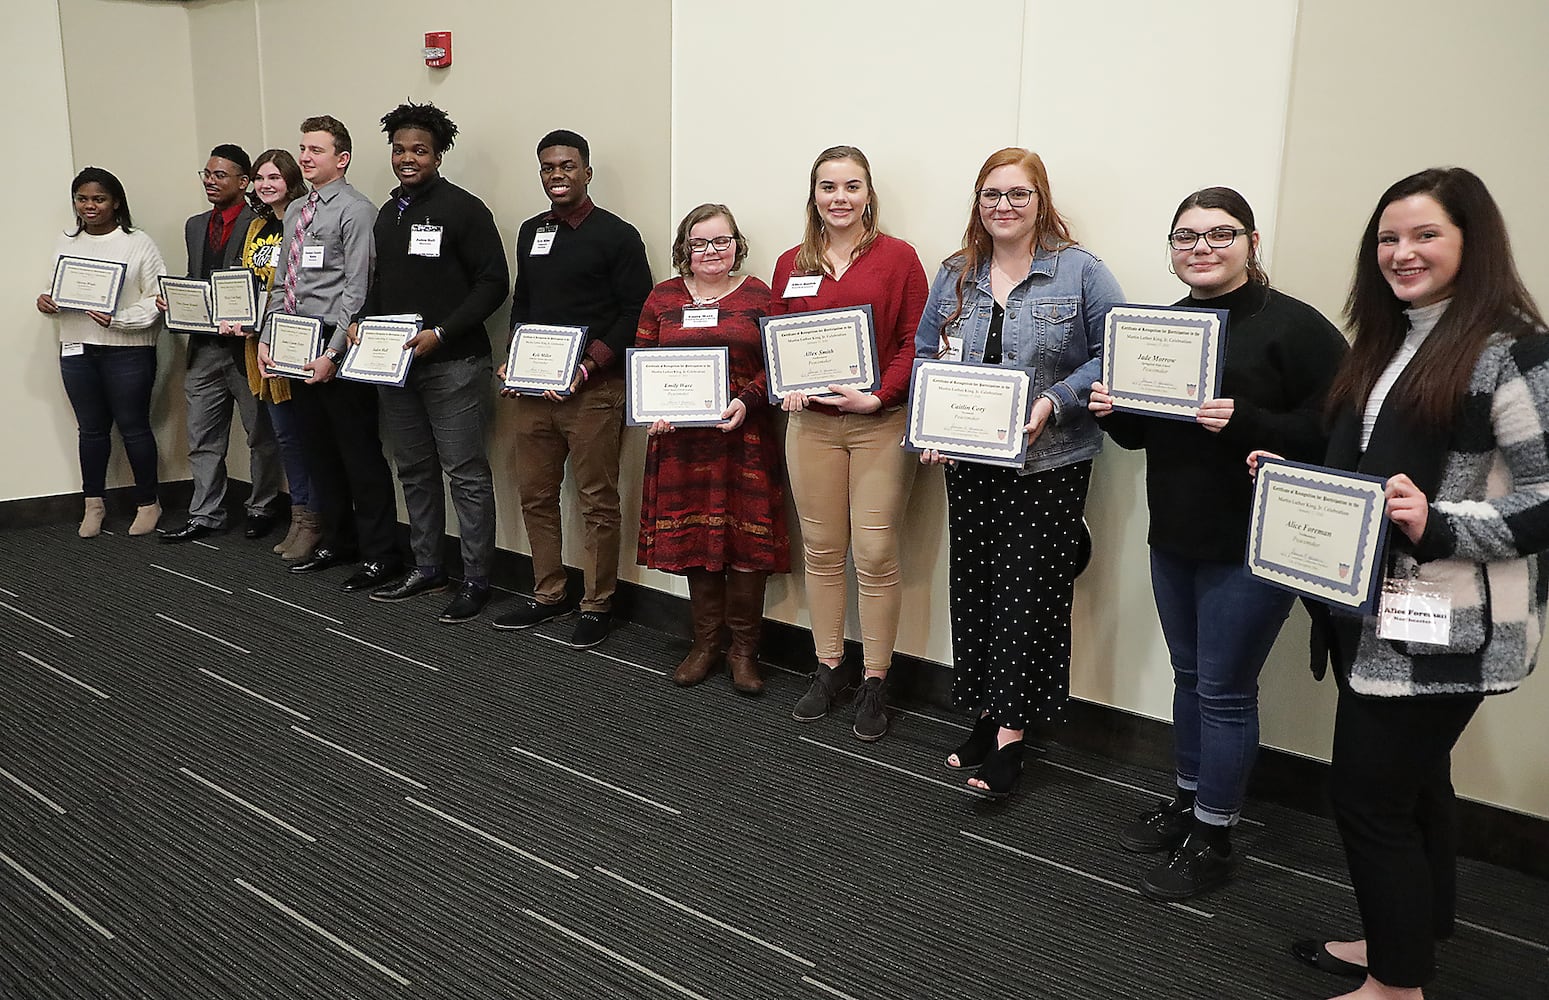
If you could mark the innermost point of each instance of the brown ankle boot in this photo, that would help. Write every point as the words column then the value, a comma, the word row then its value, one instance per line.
column 307, row 537
column 707, row 599
column 290, row 536
column 91, row 520
column 745, row 618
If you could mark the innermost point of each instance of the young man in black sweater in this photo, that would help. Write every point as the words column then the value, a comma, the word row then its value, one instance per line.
column 439, row 254
column 576, row 265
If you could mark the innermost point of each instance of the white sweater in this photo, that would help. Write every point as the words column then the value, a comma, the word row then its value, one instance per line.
column 137, row 321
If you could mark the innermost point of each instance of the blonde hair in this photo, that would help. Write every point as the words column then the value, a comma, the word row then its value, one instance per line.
column 811, row 257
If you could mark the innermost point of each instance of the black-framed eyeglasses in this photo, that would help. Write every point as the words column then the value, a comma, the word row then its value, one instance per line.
column 213, row 175
column 1218, row 238
column 721, row 244
column 1018, row 197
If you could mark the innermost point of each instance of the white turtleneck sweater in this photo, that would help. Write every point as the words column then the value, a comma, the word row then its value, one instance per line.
column 1421, row 322
column 137, row 321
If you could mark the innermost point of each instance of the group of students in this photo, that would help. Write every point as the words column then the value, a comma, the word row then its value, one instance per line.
column 1444, row 394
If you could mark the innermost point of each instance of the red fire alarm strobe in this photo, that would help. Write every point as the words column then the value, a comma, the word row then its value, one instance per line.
column 438, row 49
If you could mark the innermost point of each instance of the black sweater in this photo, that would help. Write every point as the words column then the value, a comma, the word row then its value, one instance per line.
column 456, row 291
column 1281, row 355
column 594, row 276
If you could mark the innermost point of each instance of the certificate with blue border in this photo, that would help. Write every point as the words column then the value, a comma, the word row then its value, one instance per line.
column 1163, row 362
column 189, row 306
column 808, row 352
column 84, row 283
column 973, row 413
column 294, row 341
column 1319, row 532
column 234, row 295
column 685, row 386
column 378, row 356
column 544, row 358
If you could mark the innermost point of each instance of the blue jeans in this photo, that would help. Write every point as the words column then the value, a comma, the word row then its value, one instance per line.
column 1219, row 623
column 287, row 431
column 107, row 386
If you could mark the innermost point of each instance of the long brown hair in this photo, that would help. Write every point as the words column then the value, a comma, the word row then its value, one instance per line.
column 1050, row 230
column 1488, row 297
column 811, row 258
column 295, row 185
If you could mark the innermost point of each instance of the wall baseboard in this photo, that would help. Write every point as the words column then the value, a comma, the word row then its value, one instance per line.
column 1487, row 833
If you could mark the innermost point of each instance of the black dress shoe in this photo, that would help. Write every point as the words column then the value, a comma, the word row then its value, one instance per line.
column 470, row 600
column 323, row 559
column 413, row 585
column 258, row 525
column 188, row 533
column 1316, row 954
column 373, row 574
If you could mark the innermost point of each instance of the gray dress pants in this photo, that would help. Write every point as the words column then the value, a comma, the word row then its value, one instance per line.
column 214, row 382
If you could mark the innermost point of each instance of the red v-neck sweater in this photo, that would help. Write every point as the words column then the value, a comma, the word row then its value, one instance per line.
column 888, row 277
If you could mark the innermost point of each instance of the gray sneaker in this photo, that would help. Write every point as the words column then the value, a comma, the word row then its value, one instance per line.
column 871, row 709
column 828, row 683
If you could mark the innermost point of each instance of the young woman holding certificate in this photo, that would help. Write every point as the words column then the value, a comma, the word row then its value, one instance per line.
column 1218, row 620
column 107, row 358
column 849, row 477
column 277, row 182
column 712, row 506
column 1020, row 294
column 1445, row 393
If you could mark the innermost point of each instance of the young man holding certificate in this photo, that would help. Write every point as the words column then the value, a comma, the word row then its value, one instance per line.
column 576, row 265
column 324, row 268
column 217, row 367
column 439, row 256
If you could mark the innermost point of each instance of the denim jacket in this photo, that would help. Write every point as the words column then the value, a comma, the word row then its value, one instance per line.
column 1053, row 328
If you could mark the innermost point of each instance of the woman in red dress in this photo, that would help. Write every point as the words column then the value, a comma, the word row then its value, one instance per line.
column 712, row 507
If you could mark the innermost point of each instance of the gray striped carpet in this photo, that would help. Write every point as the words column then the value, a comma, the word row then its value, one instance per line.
column 218, row 780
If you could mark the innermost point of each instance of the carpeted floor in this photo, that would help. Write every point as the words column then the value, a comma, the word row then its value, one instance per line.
column 219, row 780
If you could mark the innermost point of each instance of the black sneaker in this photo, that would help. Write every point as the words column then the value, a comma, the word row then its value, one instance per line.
column 828, row 683
column 1162, row 829
column 591, row 628
column 529, row 612
column 1193, row 870
column 871, row 709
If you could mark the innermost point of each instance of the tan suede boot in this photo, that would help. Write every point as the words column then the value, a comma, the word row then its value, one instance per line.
column 146, row 517
column 707, row 600
column 91, row 521
column 745, row 618
column 307, row 537
column 290, row 536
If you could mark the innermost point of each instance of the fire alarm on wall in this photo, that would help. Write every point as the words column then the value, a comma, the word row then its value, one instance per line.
column 438, row 49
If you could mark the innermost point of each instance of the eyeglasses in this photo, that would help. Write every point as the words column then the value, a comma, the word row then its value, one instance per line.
column 213, row 175
column 721, row 244
column 1018, row 197
column 1218, row 238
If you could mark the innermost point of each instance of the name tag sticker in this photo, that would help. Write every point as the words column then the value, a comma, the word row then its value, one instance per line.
column 698, row 317
column 311, row 256
column 425, row 241
column 801, row 286
column 1415, row 611
column 543, row 242
column 71, row 350
column 954, row 349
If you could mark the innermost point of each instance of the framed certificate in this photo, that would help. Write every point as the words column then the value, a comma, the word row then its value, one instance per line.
column 83, row 283
column 379, row 357
column 809, row 352
column 973, row 413
column 294, row 341
column 544, row 358
column 1319, row 532
column 189, row 309
column 685, row 386
column 1163, row 362
column 232, row 290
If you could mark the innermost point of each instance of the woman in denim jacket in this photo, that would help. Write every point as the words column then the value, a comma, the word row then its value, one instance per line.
column 1019, row 294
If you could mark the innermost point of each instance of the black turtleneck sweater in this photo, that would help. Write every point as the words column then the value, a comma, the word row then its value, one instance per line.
column 1281, row 355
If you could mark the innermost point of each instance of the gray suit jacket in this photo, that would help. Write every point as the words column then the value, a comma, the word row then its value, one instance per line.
column 194, row 231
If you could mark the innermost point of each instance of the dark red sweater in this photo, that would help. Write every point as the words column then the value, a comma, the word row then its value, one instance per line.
column 888, row 277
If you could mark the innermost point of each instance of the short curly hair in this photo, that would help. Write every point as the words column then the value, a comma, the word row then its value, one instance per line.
column 709, row 210
column 443, row 131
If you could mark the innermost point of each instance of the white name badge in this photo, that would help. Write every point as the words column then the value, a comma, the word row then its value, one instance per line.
column 801, row 286
column 425, row 241
column 71, row 350
column 543, row 242
column 312, row 256
column 954, row 349
column 1414, row 611
column 698, row 317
